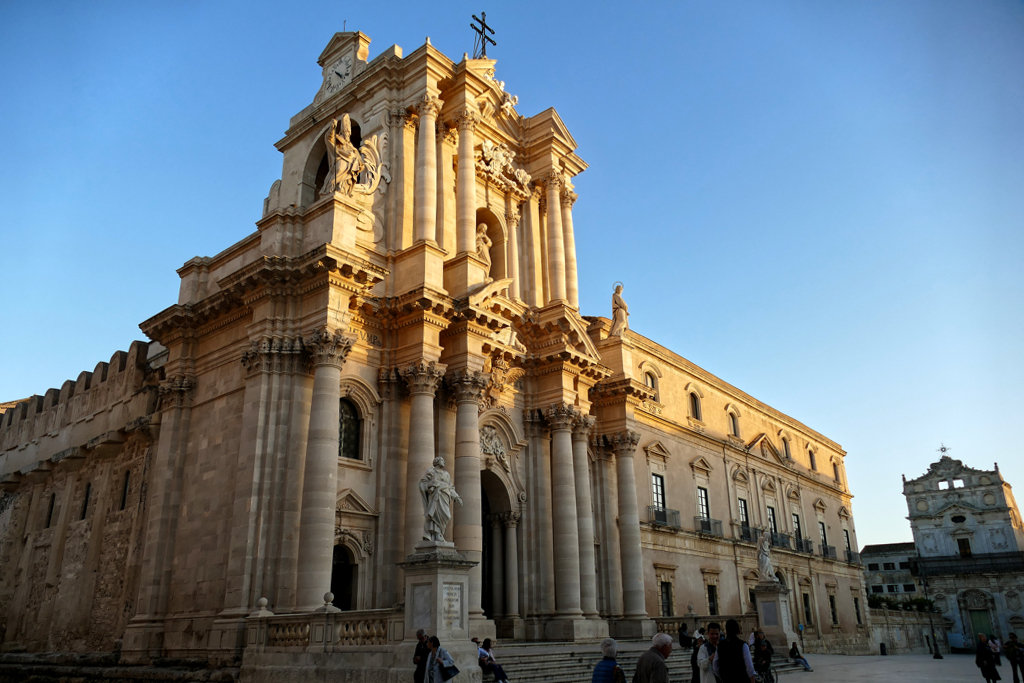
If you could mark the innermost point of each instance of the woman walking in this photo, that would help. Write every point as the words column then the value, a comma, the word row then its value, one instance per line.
column 439, row 663
column 985, row 660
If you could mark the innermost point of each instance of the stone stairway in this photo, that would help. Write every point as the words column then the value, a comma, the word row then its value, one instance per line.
column 574, row 663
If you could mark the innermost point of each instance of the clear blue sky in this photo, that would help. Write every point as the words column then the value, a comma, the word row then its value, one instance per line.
column 820, row 202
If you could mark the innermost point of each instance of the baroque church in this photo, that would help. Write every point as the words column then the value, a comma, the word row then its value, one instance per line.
column 247, row 482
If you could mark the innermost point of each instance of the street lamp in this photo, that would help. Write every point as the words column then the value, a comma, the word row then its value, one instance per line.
column 931, row 624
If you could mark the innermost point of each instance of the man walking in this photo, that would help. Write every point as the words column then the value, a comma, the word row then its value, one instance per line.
column 419, row 657
column 651, row 668
column 731, row 662
column 1012, row 650
column 707, row 652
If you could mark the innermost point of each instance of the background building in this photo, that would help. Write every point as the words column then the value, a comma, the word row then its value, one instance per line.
column 887, row 570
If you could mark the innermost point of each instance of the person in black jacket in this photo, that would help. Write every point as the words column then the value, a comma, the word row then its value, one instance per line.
column 419, row 658
column 985, row 660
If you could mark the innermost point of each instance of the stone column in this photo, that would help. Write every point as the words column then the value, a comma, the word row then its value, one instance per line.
column 423, row 379
column 612, row 553
column 556, row 244
column 512, row 219
column 572, row 287
column 497, row 567
column 511, row 521
column 320, row 481
column 465, row 182
column 425, row 215
column 566, row 529
column 585, row 516
column 624, row 445
column 468, row 387
column 535, row 260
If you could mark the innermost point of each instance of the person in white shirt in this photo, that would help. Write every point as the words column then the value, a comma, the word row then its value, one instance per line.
column 707, row 652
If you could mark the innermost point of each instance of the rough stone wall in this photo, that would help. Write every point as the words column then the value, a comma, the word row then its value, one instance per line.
column 904, row 632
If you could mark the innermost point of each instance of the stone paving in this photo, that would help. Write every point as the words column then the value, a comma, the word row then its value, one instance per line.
column 902, row 668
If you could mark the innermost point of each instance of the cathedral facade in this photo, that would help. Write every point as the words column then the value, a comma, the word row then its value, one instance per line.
column 248, row 480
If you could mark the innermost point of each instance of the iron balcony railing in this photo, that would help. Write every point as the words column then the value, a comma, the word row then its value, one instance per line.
column 781, row 540
column 974, row 564
column 708, row 526
column 828, row 551
column 853, row 557
column 663, row 516
column 748, row 533
column 804, row 545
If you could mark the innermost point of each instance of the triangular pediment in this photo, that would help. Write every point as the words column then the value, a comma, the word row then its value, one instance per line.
column 955, row 506
column 767, row 449
column 701, row 464
column 351, row 502
column 844, row 513
column 656, row 449
column 819, row 505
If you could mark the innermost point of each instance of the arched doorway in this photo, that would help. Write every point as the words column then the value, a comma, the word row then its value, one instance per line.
column 344, row 578
column 494, row 500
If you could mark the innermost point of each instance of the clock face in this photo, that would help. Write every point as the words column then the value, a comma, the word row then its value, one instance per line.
column 338, row 75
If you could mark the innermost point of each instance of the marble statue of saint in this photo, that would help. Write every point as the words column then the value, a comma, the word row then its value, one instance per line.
column 483, row 245
column 345, row 162
column 620, row 314
column 438, row 493
column 764, row 559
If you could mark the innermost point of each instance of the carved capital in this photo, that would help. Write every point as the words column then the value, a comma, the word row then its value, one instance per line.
column 513, row 214
column 510, row 519
column 466, row 120
column 554, row 181
column 430, row 106
column 177, row 391
column 582, row 426
column 568, row 199
column 561, row 416
column 533, row 423
column 327, row 347
column 388, row 383
column 468, row 386
column 274, row 355
column 423, row 378
column 445, row 133
column 623, row 443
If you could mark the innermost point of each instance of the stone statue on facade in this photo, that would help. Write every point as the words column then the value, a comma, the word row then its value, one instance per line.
column 345, row 162
column 483, row 247
column 620, row 313
column 438, row 493
column 765, row 570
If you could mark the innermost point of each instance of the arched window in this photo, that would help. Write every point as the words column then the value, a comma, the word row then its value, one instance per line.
column 785, row 448
column 694, row 405
column 344, row 578
column 350, row 428
column 814, row 464
column 734, row 424
column 649, row 380
column 835, row 470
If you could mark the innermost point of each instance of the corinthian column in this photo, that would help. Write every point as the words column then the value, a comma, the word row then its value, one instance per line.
column 468, row 388
column 624, row 445
column 511, row 520
column 423, row 379
column 556, row 244
column 320, row 480
column 465, row 208
column 512, row 218
column 426, row 170
column 566, row 529
column 572, row 286
column 585, row 516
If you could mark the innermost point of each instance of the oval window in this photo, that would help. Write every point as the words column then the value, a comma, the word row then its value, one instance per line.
column 958, row 519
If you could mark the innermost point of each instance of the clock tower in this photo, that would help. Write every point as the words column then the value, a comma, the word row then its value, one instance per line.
column 344, row 57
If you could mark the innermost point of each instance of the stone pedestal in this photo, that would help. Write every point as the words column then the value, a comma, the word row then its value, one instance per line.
column 577, row 629
column 774, row 615
column 437, row 600
column 642, row 629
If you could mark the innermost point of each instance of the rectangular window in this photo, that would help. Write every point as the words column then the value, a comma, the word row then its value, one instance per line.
column 666, row 599
column 909, row 588
column 658, row 486
column 835, row 471
column 807, row 609
column 963, row 544
column 773, row 526
column 753, row 599
column 124, row 489
column 824, row 536
column 846, row 537
column 877, row 588
column 713, row 600
column 744, row 514
column 943, row 485
column 904, row 565
column 958, row 483
column 892, row 588
column 832, row 608
column 49, row 513
column 797, row 531
column 856, row 609
column 702, row 502
column 872, row 566
column 889, row 566
column 85, row 500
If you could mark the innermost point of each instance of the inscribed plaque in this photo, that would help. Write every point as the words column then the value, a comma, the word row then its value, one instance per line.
column 421, row 604
column 770, row 613
column 453, row 605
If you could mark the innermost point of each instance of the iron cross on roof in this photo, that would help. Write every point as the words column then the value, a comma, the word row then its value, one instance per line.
column 481, row 39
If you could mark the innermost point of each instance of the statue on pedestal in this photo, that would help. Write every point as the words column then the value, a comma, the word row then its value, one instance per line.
column 345, row 161
column 620, row 313
column 765, row 570
column 438, row 493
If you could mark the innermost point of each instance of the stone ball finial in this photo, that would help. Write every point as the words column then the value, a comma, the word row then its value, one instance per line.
column 689, row 607
column 262, row 603
column 328, row 598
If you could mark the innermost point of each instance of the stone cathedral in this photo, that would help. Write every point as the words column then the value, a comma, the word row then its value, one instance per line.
column 246, row 485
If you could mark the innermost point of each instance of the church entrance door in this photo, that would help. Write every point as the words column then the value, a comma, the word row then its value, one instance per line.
column 980, row 622
column 344, row 573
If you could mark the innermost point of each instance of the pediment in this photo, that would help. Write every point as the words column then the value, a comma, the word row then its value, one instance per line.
column 953, row 507
column 844, row 513
column 793, row 494
column 547, row 125
column 767, row 485
column 768, row 449
column 656, row 449
column 739, row 476
column 701, row 464
column 352, row 503
column 820, row 505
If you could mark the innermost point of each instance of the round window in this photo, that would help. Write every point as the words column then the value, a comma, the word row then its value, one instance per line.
column 958, row 519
